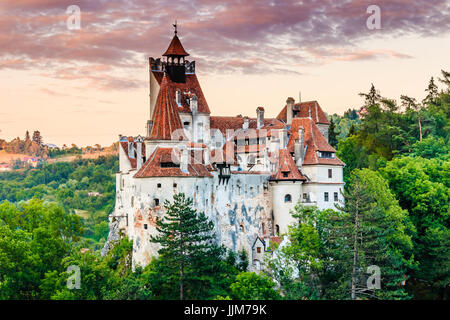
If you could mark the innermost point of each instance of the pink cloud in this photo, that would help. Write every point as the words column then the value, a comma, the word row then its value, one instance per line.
column 243, row 36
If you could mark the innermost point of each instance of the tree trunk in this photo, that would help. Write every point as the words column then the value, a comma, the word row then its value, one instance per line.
column 181, row 281
column 420, row 129
column 355, row 253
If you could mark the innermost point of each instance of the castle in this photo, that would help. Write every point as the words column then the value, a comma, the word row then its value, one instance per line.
column 245, row 173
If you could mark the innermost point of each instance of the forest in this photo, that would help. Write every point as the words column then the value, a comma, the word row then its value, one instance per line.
column 395, row 217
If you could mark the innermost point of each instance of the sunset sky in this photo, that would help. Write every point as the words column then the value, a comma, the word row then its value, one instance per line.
column 88, row 86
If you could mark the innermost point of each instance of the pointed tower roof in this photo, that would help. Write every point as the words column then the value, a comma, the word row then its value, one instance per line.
column 287, row 169
column 175, row 48
column 166, row 118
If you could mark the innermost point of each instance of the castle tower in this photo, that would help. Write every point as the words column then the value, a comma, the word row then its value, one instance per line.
column 175, row 55
column 286, row 188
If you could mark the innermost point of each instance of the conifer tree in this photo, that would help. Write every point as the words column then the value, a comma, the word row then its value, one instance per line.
column 332, row 139
column 373, row 230
column 187, row 243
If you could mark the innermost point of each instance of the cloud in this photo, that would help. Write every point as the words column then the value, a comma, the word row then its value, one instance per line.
column 251, row 36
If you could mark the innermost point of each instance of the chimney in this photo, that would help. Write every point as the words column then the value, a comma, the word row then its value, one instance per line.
column 194, row 104
column 245, row 124
column 184, row 161
column 259, row 117
column 138, row 154
column 289, row 106
column 283, row 138
column 299, row 147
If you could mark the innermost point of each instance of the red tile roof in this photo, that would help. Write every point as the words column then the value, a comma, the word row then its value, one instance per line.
column 235, row 123
column 124, row 144
column 192, row 85
column 175, row 48
column 314, row 140
column 304, row 110
column 152, row 167
column 287, row 165
column 166, row 118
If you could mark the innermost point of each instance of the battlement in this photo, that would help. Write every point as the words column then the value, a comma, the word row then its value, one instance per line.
column 161, row 65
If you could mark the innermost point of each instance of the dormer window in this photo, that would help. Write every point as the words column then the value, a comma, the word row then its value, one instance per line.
column 326, row 154
column 169, row 165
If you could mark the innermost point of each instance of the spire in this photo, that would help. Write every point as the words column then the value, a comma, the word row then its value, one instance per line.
column 175, row 46
column 166, row 118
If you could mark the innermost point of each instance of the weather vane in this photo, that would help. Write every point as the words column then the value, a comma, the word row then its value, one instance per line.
column 175, row 26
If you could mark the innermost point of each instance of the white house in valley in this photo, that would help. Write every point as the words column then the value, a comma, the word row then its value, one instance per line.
column 245, row 173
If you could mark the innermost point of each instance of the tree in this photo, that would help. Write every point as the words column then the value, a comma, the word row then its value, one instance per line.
column 421, row 186
column 372, row 97
column 445, row 78
column 432, row 92
column 332, row 139
column 374, row 230
column 187, row 246
column 252, row 286
column 411, row 104
column 37, row 138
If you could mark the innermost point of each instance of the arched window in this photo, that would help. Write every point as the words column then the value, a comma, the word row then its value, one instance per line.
column 277, row 230
column 287, row 198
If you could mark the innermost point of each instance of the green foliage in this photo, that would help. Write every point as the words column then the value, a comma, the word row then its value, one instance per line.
column 422, row 185
column 69, row 184
column 374, row 230
column 252, row 286
column 34, row 238
column 190, row 265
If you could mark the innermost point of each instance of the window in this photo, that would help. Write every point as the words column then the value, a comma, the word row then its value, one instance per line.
column 132, row 201
column 326, row 154
column 156, row 202
column 263, row 228
column 186, row 123
column 159, row 185
column 169, row 165
column 277, row 230
column 145, row 226
column 285, row 174
column 336, row 196
column 287, row 198
column 174, row 185
column 326, row 196
column 258, row 249
column 241, row 228
column 330, row 173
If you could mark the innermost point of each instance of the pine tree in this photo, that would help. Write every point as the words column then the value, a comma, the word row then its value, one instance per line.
column 332, row 139
column 187, row 244
column 369, row 233
column 446, row 78
column 432, row 92
column 372, row 97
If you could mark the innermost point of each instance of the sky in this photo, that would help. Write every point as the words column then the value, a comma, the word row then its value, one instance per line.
column 88, row 85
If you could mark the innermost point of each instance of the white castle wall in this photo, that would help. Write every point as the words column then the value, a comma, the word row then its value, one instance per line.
column 237, row 208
